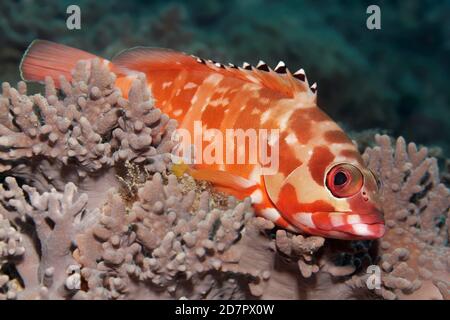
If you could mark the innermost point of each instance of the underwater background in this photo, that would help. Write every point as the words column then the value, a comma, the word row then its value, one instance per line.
column 393, row 80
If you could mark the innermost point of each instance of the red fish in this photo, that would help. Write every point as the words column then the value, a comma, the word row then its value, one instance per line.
column 322, row 186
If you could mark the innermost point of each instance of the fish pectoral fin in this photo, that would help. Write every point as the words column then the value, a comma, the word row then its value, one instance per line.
column 222, row 178
column 223, row 181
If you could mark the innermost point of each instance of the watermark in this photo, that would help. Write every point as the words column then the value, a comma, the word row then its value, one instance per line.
column 236, row 146
column 73, row 21
column 373, row 22
column 374, row 280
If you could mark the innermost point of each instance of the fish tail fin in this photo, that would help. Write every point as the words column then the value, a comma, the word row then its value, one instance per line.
column 49, row 59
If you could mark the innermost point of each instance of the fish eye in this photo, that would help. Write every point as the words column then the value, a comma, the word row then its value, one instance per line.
column 340, row 178
column 344, row 180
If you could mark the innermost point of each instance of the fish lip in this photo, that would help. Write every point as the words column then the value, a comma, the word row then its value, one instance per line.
column 368, row 218
column 377, row 231
column 369, row 226
column 363, row 231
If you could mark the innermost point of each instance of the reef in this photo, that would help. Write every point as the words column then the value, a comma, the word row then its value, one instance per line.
column 89, row 209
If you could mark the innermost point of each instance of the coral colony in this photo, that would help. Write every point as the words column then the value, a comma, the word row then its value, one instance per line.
column 90, row 208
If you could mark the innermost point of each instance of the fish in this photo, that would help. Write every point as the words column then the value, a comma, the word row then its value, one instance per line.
column 322, row 186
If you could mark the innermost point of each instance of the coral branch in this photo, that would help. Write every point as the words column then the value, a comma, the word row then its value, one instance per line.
column 414, row 252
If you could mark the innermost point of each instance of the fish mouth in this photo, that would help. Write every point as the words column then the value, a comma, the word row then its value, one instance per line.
column 353, row 226
column 364, row 231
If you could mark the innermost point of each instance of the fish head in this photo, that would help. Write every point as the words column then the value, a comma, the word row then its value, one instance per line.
column 330, row 192
column 345, row 205
column 353, row 191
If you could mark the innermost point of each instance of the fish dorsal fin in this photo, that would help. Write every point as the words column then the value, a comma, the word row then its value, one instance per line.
column 148, row 60
column 278, row 79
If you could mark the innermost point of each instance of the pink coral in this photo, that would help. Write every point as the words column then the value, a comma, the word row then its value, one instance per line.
column 414, row 254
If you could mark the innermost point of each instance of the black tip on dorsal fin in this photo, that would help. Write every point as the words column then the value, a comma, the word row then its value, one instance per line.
column 215, row 64
column 246, row 66
column 262, row 66
column 232, row 66
column 200, row 60
column 300, row 75
column 219, row 65
column 314, row 87
column 281, row 67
